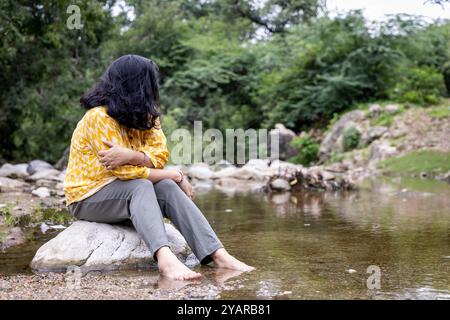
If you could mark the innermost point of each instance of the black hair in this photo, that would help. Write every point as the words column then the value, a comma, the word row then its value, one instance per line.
column 130, row 91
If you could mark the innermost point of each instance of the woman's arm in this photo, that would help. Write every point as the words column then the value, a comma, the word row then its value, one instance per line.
column 155, row 147
column 153, row 154
column 100, row 128
column 160, row 174
column 117, row 156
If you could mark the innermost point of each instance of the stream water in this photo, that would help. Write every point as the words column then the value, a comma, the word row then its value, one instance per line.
column 318, row 245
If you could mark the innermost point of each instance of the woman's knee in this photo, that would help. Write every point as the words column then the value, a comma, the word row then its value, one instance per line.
column 141, row 185
column 166, row 185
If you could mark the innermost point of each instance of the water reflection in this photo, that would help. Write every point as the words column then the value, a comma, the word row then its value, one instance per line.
column 306, row 243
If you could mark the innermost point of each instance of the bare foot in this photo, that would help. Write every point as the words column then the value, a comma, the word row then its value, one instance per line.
column 171, row 267
column 222, row 259
column 221, row 275
column 171, row 284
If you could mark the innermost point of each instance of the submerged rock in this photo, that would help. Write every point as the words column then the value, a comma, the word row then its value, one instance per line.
column 280, row 185
column 15, row 237
column 99, row 246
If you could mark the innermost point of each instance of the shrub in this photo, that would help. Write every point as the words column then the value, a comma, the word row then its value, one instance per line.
column 351, row 139
column 446, row 72
column 308, row 150
column 419, row 85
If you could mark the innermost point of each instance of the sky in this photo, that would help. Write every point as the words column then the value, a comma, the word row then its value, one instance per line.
column 376, row 9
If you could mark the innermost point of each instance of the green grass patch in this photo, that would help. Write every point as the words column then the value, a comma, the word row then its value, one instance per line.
column 3, row 234
column 433, row 162
column 335, row 157
column 440, row 112
column 39, row 214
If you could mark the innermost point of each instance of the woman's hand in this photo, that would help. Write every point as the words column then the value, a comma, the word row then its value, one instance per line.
column 186, row 186
column 115, row 156
column 176, row 175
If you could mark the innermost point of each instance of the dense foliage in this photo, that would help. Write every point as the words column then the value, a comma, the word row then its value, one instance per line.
column 231, row 64
column 308, row 150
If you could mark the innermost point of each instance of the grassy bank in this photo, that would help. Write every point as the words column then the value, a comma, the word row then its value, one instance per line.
column 429, row 161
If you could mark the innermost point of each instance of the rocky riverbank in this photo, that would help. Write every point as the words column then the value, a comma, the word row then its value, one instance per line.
column 32, row 195
column 138, row 285
column 389, row 139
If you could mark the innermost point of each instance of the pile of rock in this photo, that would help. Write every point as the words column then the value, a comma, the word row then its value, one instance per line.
column 375, row 138
column 264, row 175
column 38, row 177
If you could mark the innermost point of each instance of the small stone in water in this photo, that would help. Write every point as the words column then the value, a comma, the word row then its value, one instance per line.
column 2, row 205
column 228, row 210
column 351, row 271
column 44, row 228
column 306, row 225
column 57, row 227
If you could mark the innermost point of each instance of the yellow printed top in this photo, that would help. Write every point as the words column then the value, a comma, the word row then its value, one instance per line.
column 86, row 174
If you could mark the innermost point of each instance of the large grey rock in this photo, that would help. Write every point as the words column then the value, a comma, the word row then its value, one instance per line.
column 38, row 165
column 41, row 192
column 374, row 110
column 283, row 169
column 331, row 142
column 280, row 185
column 381, row 151
column 392, row 108
column 14, row 170
column 99, row 246
column 257, row 164
column 8, row 185
column 200, row 171
column 284, row 137
column 47, row 174
column 245, row 173
column 373, row 134
column 232, row 186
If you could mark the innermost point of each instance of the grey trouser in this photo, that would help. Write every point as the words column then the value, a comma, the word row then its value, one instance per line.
column 145, row 204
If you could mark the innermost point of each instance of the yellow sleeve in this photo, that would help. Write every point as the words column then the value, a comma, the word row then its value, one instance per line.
column 99, row 127
column 155, row 147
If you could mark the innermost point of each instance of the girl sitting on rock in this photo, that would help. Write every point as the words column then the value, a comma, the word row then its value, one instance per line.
column 115, row 171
